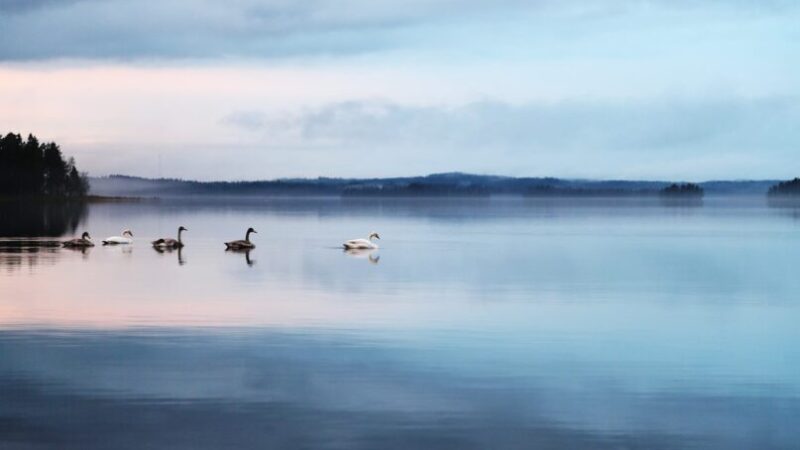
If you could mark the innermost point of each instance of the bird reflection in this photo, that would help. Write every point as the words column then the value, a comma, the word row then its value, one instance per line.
column 369, row 254
column 126, row 250
column 83, row 250
column 245, row 252
column 178, row 250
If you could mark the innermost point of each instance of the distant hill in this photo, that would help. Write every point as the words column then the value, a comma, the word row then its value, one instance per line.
column 453, row 184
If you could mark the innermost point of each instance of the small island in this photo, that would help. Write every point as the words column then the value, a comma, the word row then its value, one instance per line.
column 789, row 188
column 682, row 190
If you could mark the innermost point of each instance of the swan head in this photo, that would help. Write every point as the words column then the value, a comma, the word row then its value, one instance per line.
column 374, row 235
column 85, row 235
column 128, row 233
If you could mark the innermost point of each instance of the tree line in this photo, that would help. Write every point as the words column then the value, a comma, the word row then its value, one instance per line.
column 29, row 167
column 786, row 188
column 682, row 190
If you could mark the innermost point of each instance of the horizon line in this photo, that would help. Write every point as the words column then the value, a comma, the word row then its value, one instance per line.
column 454, row 173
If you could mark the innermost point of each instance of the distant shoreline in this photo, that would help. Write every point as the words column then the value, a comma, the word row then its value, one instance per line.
column 444, row 185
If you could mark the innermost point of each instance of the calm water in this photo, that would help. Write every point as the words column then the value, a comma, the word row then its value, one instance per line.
column 479, row 324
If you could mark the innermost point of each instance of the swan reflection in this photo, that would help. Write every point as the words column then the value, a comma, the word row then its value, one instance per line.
column 369, row 254
column 245, row 252
column 178, row 250
column 83, row 250
column 126, row 250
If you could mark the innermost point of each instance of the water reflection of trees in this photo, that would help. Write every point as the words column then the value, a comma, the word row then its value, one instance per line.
column 788, row 206
column 17, row 253
column 38, row 219
column 677, row 201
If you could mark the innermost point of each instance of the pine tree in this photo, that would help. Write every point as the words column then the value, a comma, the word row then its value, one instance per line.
column 28, row 167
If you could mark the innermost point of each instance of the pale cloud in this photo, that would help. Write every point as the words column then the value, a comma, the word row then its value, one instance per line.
column 248, row 120
column 663, row 138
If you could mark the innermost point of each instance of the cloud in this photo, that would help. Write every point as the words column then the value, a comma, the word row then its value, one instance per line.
column 164, row 29
column 654, row 138
column 248, row 120
column 638, row 125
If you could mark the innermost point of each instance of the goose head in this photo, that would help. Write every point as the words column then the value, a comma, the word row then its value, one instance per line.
column 373, row 235
column 180, row 230
column 251, row 230
column 86, row 236
column 128, row 233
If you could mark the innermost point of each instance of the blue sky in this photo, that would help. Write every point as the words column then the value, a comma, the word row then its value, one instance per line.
column 247, row 89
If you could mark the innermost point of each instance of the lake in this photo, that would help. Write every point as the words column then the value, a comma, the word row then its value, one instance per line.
column 478, row 324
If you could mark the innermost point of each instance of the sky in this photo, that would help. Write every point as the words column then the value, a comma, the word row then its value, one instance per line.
column 246, row 89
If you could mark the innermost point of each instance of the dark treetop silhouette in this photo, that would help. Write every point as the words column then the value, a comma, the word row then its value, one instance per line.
column 31, row 168
column 786, row 188
column 682, row 190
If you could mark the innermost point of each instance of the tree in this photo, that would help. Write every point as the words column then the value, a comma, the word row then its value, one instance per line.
column 28, row 167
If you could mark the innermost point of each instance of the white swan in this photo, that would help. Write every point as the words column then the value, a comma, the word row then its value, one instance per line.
column 362, row 243
column 126, row 238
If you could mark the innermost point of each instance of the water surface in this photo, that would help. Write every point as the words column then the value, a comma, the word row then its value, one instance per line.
column 478, row 324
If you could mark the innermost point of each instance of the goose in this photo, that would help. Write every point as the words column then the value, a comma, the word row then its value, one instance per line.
column 83, row 241
column 126, row 238
column 362, row 243
column 241, row 245
column 169, row 243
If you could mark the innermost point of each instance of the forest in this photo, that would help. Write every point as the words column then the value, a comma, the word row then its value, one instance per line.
column 29, row 167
